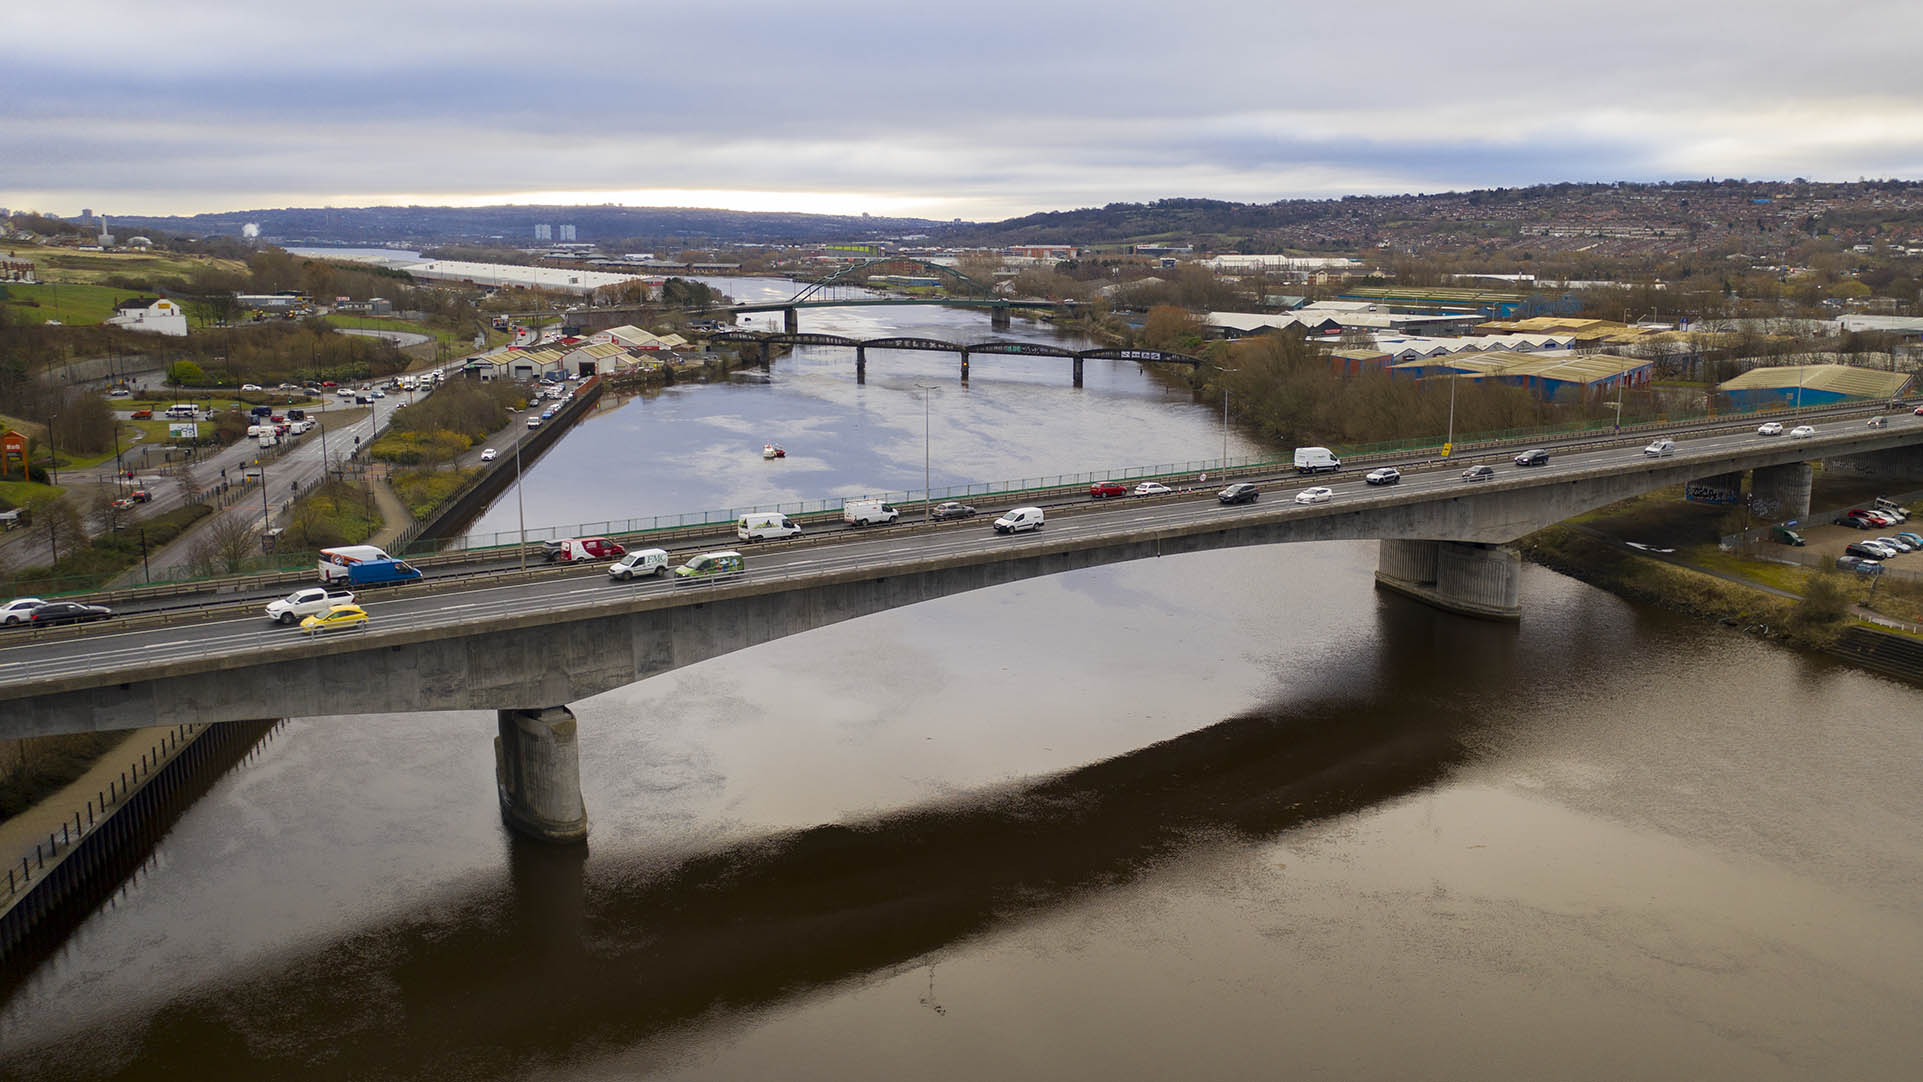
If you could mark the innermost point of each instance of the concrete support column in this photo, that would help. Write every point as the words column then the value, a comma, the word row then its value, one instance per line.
column 1781, row 493
column 1457, row 576
column 861, row 364
column 998, row 319
column 1078, row 371
column 964, row 354
column 537, row 771
column 791, row 319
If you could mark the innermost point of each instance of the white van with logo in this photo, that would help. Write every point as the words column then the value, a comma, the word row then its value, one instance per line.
column 1315, row 460
column 766, row 526
column 640, row 562
column 1021, row 518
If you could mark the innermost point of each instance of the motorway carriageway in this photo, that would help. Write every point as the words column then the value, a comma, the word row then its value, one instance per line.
column 101, row 645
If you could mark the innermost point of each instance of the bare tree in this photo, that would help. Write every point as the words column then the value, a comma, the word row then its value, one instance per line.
column 226, row 544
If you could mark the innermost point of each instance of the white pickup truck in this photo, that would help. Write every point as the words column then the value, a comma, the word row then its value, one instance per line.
column 308, row 602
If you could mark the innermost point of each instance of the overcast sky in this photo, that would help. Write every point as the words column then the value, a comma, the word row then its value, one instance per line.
column 979, row 110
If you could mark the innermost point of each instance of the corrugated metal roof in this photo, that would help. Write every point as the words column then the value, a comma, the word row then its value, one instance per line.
column 1842, row 379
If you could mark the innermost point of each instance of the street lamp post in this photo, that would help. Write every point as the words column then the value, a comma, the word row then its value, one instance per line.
column 1225, row 414
column 927, row 475
column 520, row 505
column 1449, row 441
column 53, row 474
column 266, row 518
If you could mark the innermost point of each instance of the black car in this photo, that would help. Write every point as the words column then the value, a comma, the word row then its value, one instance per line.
column 1535, row 456
column 1864, row 551
column 1239, row 492
column 1478, row 473
column 68, row 612
column 944, row 512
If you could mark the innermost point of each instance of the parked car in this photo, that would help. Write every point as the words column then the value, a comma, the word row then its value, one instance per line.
column 1483, row 472
column 1880, row 550
column 1770, row 428
column 1383, row 475
column 1783, row 535
column 1860, row 565
column 945, row 512
column 1239, row 492
column 1889, row 507
column 1318, row 494
column 1102, row 490
column 1801, row 432
column 18, row 611
column 335, row 618
column 1535, row 456
column 1868, row 550
column 1913, row 538
column 1896, row 542
column 487, row 455
column 1151, row 488
column 68, row 612
column 1856, row 517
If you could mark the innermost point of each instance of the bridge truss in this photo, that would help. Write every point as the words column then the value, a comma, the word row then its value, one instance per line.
column 968, row 350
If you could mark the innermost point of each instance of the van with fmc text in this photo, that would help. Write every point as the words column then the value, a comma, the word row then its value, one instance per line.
column 710, row 565
column 1021, row 518
column 183, row 411
column 1315, row 460
column 766, row 526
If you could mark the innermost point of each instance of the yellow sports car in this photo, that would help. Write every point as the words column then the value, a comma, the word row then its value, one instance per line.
column 339, row 616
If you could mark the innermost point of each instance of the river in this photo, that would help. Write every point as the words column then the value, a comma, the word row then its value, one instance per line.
column 1221, row 816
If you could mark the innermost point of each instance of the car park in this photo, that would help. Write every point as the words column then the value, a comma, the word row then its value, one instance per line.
column 1151, row 488
column 1535, row 456
column 1102, row 490
column 1770, row 428
column 1879, row 549
column 1318, row 494
column 950, row 510
column 1240, row 492
column 1801, row 432
column 1483, row 472
column 487, row 455
column 1383, row 475
column 68, row 612
column 1660, row 448
column 336, row 618
column 18, row 611
column 1888, row 506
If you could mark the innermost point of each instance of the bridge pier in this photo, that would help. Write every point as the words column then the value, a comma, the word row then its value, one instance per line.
column 1781, row 492
column 998, row 318
column 1456, row 576
column 1896, row 464
column 964, row 372
column 861, row 364
column 791, row 320
column 1078, row 371
column 537, row 773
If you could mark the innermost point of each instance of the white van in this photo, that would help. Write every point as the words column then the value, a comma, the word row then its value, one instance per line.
column 1660, row 448
column 183, row 412
column 868, row 512
column 1315, row 460
column 640, row 562
column 766, row 526
column 1021, row 518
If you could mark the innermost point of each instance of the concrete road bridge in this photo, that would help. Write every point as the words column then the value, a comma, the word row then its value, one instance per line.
column 526, row 648
column 1075, row 357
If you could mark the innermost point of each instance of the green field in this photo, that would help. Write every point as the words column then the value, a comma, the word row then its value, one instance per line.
column 65, row 303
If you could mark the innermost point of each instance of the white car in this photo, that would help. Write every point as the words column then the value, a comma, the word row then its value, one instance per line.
column 1383, row 475
column 1769, row 428
column 488, row 455
column 1801, row 432
column 1318, row 494
column 250, row 386
column 1151, row 488
column 19, row 610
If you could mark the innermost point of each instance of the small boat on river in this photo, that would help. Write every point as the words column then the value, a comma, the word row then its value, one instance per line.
column 773, row 450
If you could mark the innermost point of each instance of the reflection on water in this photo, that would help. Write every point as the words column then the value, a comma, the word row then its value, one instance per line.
column 1419, row 846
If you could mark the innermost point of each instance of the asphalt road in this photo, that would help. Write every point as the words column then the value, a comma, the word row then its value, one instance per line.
column 101, row 645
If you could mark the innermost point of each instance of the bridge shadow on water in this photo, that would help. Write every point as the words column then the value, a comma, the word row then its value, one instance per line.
column 577, row 958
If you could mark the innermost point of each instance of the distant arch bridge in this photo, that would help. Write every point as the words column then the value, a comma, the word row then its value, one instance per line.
column 936, row 345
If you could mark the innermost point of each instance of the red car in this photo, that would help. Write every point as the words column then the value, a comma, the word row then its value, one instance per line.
column 141, row 415
column 123, row 504
column 1102, row 490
